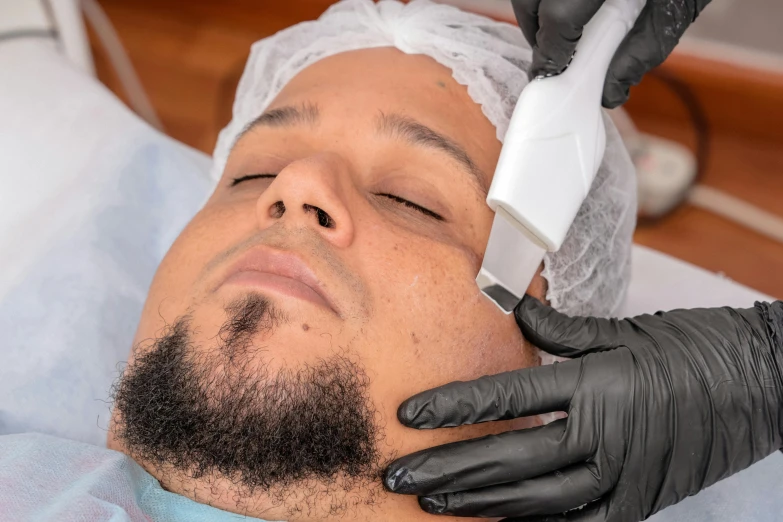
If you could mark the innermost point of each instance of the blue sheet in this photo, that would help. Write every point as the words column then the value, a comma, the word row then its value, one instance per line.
column 44, row 478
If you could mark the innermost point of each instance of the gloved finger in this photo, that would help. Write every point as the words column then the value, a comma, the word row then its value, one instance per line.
column 526, row 12
column 597, row 511
column 486, row 461
column 644, row 48
column 560, row 27
column 556, row 492
column 567, row 336
column 509, row 395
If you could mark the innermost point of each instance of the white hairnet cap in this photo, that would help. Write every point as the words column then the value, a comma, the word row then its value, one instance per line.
column 589, row 275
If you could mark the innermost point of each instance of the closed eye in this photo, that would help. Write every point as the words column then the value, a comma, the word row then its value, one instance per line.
column 237, row 181
column 412, row 205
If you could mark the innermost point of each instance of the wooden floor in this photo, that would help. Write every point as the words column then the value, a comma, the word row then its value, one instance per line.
column 190, row 56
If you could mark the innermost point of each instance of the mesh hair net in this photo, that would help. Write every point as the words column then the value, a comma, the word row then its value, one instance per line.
column 590, row 273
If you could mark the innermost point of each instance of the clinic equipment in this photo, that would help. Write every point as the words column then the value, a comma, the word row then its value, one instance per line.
column 551, row 153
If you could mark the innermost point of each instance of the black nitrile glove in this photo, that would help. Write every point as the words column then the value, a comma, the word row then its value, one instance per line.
column 659, row 407
column 553, row 28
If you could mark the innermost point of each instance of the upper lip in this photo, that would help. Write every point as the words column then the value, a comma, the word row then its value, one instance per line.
column 281, row 263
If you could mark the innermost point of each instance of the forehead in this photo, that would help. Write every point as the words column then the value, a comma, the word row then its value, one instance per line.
column 358, row 85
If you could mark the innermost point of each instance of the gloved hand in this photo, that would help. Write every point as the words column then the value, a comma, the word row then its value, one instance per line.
column 553, row 28
column 659, row 407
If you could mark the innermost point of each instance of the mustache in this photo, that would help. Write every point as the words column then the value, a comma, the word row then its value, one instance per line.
column 300, row 239
column 318, row 253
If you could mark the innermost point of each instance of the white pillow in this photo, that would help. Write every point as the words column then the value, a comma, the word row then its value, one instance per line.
column 91, row 198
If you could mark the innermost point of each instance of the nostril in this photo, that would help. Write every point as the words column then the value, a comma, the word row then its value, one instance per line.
column 277, row 210
column 324, row 219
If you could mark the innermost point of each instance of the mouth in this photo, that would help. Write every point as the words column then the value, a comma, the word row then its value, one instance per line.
column 279, row 272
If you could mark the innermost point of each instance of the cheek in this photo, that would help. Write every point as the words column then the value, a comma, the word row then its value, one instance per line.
column 439, row 329
column 432, row 325
column 213, row 230
column 412, row 278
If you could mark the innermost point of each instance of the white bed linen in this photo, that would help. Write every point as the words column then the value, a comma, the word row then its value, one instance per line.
column 90, row 199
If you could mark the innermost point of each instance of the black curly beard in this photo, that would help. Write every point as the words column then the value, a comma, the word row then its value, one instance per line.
column 206, row 414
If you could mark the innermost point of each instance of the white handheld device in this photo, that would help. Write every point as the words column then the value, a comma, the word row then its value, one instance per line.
column 551, row 153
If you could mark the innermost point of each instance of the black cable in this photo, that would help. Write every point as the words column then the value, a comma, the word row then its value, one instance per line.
column 697, row 114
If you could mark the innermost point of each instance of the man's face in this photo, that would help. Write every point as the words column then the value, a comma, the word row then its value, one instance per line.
column 341, row 244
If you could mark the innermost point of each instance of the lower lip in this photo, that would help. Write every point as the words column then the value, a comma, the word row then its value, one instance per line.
column 278, row 284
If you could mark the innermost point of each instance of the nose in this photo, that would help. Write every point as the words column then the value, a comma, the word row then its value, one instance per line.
column 311, row 192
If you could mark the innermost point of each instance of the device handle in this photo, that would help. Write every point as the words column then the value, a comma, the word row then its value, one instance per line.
column 556, row 137
column 601, row 37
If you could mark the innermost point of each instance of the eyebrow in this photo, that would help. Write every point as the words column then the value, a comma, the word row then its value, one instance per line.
column 392, row 125
column 418, row 134
column 307, row 114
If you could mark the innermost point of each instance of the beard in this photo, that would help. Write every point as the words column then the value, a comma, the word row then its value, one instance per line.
column 219, row 413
